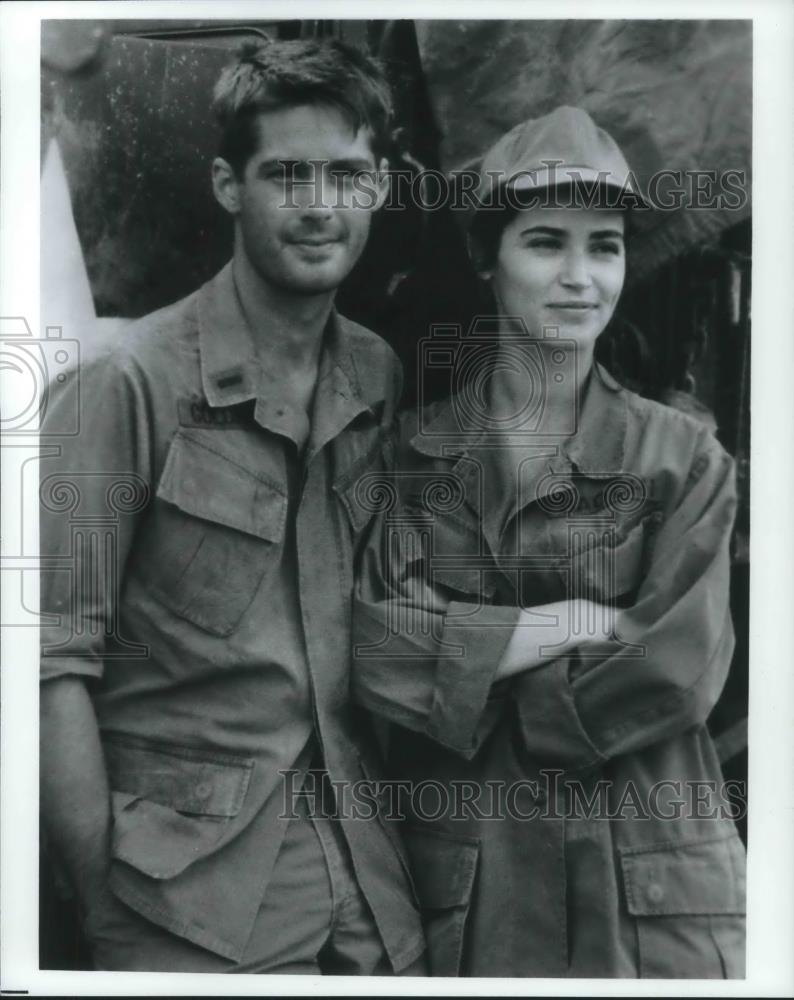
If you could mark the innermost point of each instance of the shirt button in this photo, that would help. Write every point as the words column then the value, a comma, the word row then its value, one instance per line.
column 203, row 790
column 655, row 892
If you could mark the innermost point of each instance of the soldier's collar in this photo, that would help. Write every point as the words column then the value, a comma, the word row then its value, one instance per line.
column 597, row 446
column 230, row 370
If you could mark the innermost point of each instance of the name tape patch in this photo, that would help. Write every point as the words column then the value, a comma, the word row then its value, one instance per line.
column 198, row 413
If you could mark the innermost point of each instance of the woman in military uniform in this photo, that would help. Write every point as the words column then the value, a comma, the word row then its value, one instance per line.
column 543, row 616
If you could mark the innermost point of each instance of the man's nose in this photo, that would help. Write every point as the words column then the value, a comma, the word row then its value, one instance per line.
column 575, row 272
column 317, row 196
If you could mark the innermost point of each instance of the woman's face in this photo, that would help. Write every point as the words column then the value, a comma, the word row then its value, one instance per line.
column 561, row 268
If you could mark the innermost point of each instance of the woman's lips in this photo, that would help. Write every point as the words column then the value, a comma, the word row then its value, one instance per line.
column 574, row 306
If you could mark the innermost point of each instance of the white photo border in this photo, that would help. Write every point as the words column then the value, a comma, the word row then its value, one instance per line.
column 770, row 965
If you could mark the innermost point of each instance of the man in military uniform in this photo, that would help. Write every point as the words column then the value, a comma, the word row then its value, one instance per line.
column 200, row 646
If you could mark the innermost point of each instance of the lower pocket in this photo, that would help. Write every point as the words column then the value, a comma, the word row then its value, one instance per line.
column 171, row 805
column 444, row 868
column 688, row 901
column 682, row 947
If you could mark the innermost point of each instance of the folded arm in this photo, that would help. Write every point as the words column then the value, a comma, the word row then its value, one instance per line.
column 446, row 670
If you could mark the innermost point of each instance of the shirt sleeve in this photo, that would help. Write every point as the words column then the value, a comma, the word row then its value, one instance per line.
column 420, row 659
column 94, row 486
column 580, row 711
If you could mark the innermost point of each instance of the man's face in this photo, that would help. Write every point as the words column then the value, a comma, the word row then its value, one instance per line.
column 303, row 227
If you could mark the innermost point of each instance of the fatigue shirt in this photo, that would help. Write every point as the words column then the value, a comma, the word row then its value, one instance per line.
column 634, row 510
column 198, row 575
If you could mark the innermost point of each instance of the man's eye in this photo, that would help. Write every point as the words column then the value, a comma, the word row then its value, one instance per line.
column 345, row 175
column 303, row 174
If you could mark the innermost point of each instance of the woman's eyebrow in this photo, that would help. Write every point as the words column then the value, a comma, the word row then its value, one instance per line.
column 548, row 230
column 598, row 234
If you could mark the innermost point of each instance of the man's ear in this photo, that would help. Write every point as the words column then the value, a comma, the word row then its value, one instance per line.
column 381, row 183
column 225, row 185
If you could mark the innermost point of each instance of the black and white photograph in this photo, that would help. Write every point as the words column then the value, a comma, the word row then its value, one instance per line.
column 391, row 557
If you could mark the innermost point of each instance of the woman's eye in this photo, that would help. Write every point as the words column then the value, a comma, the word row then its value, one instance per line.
column 546, row 243
column 607, row 248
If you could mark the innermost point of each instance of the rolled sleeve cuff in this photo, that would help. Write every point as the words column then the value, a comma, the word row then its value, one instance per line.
column 475, row 639
column 550, row 723
column 54, row 667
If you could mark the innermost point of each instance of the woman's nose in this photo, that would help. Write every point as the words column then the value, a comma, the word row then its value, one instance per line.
column 575, row 271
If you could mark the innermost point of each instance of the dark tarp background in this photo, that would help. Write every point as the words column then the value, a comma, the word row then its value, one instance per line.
column 674, row 94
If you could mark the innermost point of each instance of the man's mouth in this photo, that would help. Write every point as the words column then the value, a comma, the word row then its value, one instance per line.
column 576, row 306
column 315, row 241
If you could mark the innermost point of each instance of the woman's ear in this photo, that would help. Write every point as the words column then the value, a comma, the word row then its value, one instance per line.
column 381, row 183
column 478, row 258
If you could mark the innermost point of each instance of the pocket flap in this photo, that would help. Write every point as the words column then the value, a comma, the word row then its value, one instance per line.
column 610, row 567
column 180, row 778
column 157, row 840
column 443, row 866
column 205, row 483
column 696, row 878
column 465, row 580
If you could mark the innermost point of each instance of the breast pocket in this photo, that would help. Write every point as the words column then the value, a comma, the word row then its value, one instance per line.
column 688, row 904
column 217, row 530
column 604, row 563
column 171, row 805
column 453, row 551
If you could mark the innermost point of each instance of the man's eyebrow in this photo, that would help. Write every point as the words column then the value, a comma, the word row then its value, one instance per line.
column 282, row 166
column 351, row 163
column 287, row 166
column 602, row 234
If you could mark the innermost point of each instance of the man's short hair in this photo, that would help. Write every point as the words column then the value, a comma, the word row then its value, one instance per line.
column 281, row 74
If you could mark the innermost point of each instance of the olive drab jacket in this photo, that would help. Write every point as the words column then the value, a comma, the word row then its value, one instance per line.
column 198, row 574
column 571, row 820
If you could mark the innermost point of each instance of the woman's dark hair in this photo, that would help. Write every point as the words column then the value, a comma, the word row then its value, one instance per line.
column 279, row 74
